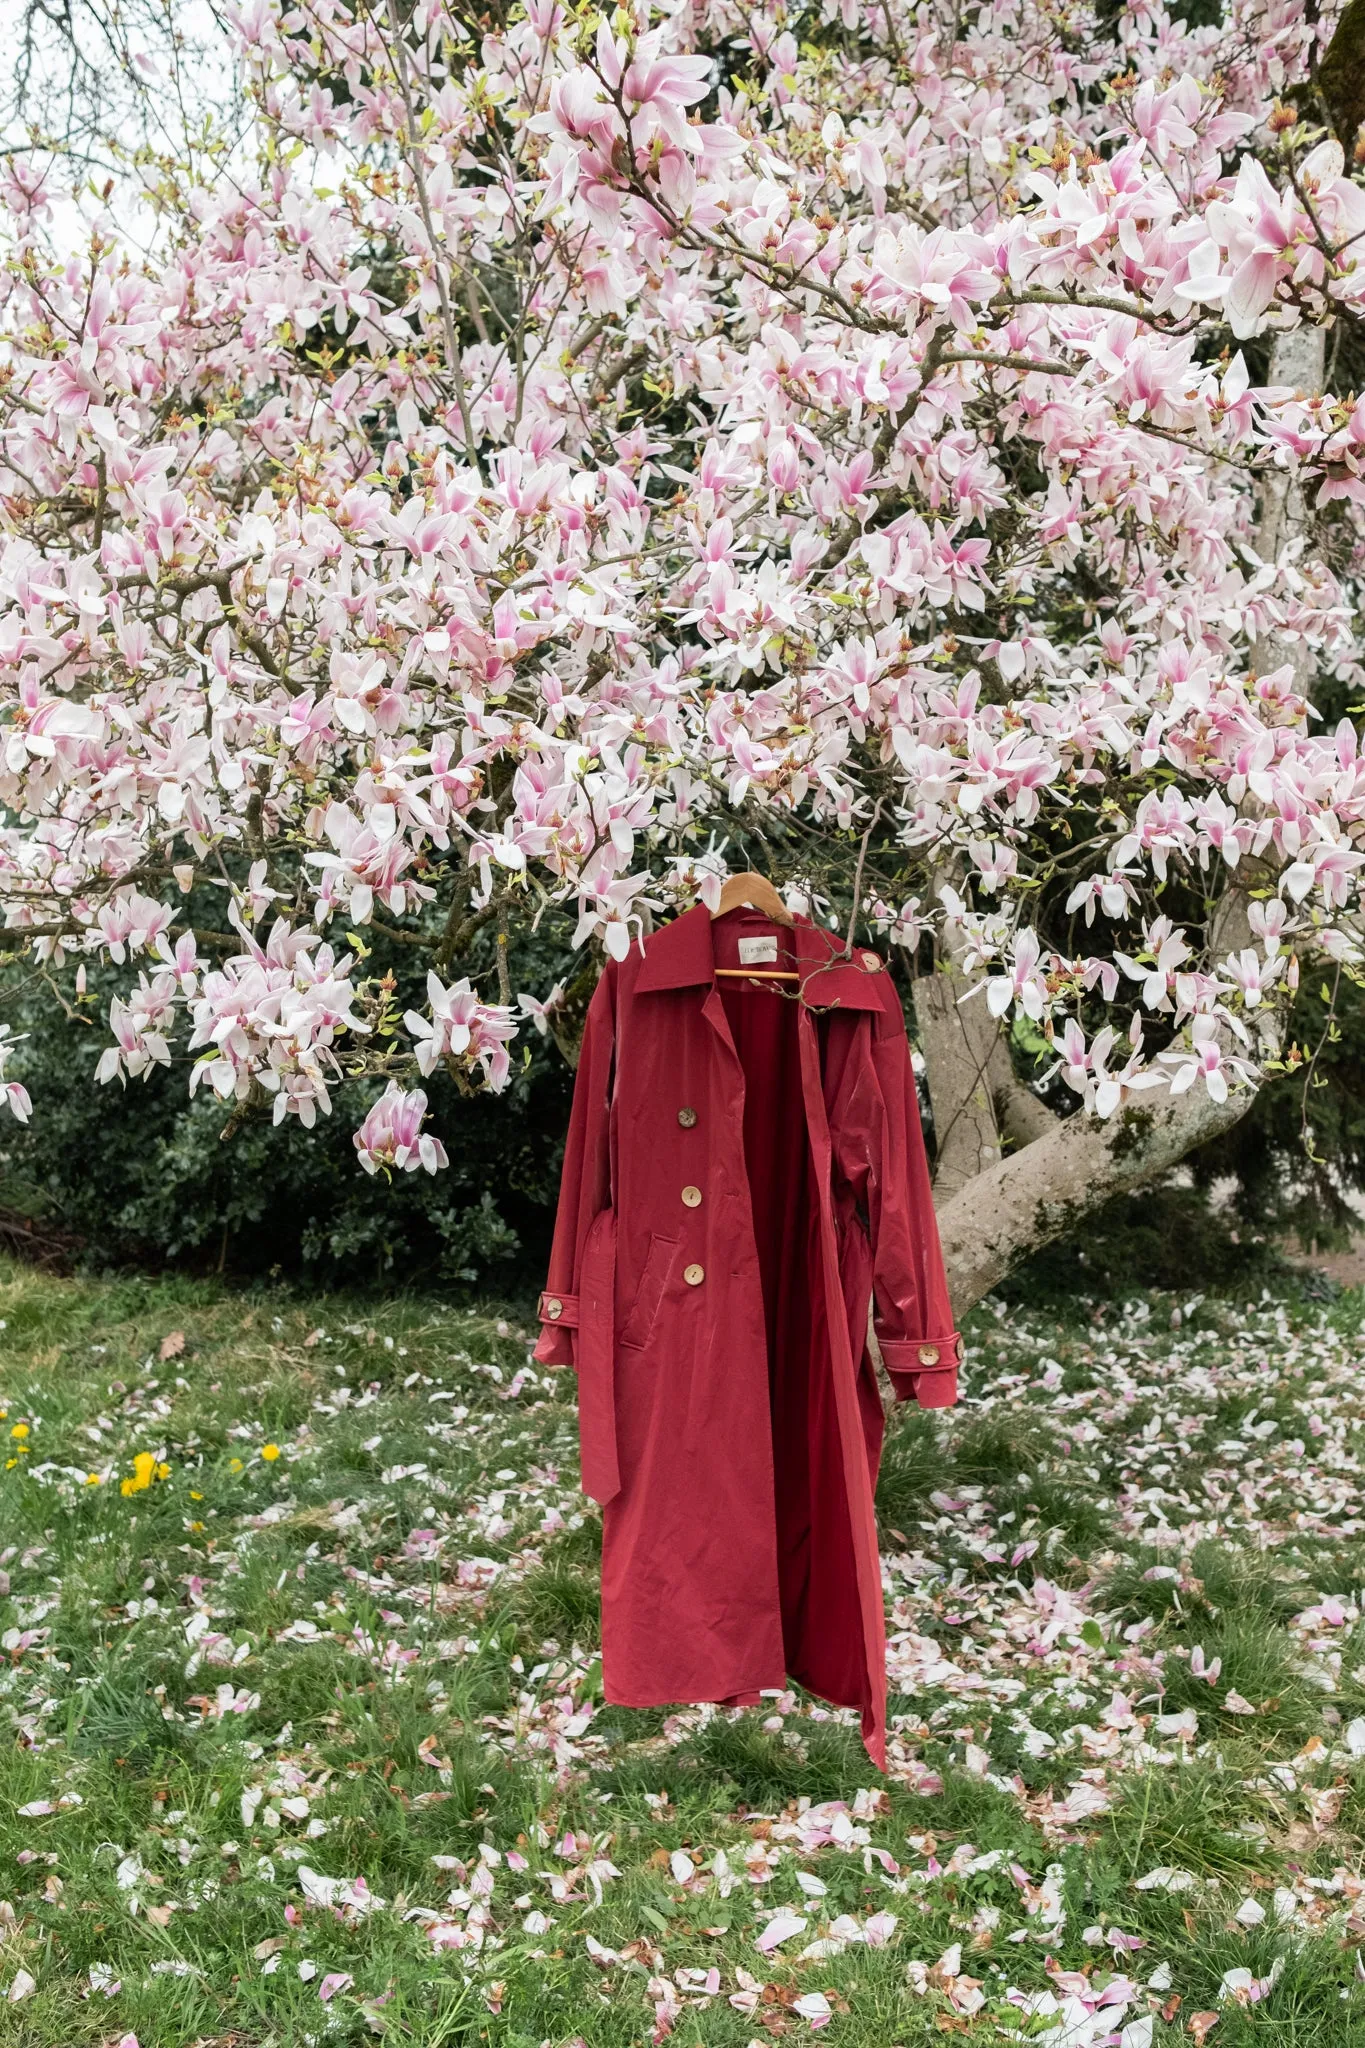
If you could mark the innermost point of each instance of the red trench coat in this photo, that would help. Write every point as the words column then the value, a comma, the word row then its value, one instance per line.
column 744, row 1170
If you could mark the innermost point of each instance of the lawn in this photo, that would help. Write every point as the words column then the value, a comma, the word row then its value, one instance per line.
column 306, row 1740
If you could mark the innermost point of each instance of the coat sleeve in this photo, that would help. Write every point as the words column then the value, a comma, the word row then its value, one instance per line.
column 585, row 1183
column 913, row 1315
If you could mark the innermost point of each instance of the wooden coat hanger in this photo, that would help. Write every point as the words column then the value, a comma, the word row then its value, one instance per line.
column 754, row 892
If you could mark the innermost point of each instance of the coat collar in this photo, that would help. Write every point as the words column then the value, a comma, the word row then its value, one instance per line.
column 682, row 955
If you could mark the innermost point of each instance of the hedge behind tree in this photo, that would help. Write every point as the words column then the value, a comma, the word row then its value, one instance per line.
column 143, row 1175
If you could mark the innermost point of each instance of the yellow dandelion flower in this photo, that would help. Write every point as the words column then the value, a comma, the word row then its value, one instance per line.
column 93, row 1479
column 20, row 1430
column 145, row 1470
column 194, row 1495
column 234, row 1465
column 270, row 1452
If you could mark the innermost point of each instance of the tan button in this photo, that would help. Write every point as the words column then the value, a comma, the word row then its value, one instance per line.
column 687, row 1117
column 872, row 963
column 692, row 1197
column 554, row 1309
column 694, row 1275
column 928, row 1354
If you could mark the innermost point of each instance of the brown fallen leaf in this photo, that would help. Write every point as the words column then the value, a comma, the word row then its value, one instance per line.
column 172, row 1345
column 1202, row 2025
column 642, row 1951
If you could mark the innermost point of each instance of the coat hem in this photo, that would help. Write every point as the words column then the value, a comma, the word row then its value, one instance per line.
column 746, row 1693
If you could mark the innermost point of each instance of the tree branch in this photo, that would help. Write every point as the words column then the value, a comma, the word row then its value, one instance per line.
column 1036, row 1195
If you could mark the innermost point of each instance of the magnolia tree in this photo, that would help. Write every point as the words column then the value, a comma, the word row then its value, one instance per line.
column 562, row 457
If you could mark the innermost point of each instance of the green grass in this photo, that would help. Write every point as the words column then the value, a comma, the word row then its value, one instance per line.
column 375, row 1657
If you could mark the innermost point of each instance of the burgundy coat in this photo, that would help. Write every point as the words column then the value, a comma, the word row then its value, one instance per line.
column 745, row 1168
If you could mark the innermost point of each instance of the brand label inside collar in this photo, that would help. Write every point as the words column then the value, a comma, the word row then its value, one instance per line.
column 758, row 952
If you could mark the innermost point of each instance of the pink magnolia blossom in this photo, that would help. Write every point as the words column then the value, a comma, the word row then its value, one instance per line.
column 863, row 445
column 1202, row 1060
column 392, row 1135
column 462, row 1029
column 1022, row 984
column 13, row 1094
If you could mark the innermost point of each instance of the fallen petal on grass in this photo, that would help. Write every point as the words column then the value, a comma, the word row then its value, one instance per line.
column 406, row 1676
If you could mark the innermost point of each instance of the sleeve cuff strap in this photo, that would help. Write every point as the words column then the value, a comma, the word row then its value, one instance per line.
column 559, row 1311
column 926, row 1355
column 925, row 1371
column 929, row 1389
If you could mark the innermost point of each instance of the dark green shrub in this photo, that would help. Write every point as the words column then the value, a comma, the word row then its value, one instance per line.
column 143, row 1174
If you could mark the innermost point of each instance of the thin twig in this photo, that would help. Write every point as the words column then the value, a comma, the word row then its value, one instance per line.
column 504, row 973
column 858, row 878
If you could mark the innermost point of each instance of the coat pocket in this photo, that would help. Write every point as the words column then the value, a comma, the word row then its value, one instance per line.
column 642, row 1314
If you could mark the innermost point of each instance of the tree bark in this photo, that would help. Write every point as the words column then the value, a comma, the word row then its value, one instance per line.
column 1341, row 75
column 1025, row 1201
column 958, row 1043
column 979, row 1103
column 1022, row 1117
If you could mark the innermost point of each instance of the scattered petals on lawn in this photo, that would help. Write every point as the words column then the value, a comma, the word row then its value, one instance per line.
column 1126, row 1643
